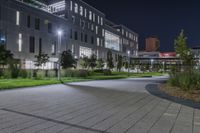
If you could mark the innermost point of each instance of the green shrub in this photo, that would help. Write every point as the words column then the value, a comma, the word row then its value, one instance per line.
column 7, row 74
column 40, row 74
column 80, row 73
column 107, row 72
column 23, row 73
column 51, row 73
column 185, row 80
column 1, row 72
column 67, row 73
column 98, row 71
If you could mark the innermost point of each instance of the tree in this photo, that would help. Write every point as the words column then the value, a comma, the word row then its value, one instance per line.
column 100, row 63
column 41, row 59
column 67, row 60
column 183, row 52
column 110, row 63
column 92, row 61
column 84, row 62
column 119, row 63
column 5, row 55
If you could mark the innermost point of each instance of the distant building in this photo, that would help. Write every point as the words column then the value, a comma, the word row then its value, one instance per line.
column 196, row 51
column 143, row 54
column 168, row 55
column 152, row 44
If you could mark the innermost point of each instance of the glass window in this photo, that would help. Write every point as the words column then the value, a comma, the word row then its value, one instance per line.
column 17, row 17
column 97, row 30
column 71, row 5
column 101, row 21
column 90, row 15
column 28, row 21
column 20, row 42
column 85, row 13
column 81, row 10
column 85, row 51
column 76, row 8
column 98, row 41
column 53, row 48
column 2, row 38
column 37, row 24
column 94, row 17
column 40, row 45
column 112, row 41
column 75, row 35
column 49, row 27
column 32, row 44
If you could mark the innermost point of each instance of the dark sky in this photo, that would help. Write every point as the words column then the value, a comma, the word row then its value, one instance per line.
column 163, row 18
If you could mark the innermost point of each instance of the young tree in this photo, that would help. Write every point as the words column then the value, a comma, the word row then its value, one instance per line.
column 183, row 52
column 67, row 60
column 120, row 63
column 84, row 62
column 92, row 61
column 110, row 63
column 100, row 63
column 41, row 59
column 5, row 55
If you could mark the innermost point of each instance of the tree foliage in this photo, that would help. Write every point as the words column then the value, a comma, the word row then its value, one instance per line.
column 183, row 52
column 110, row 63
column 119, row 63
column 92, row 61
column 100, row 63
column 41, row 59
column 5, row 55
column 84, row 62
column 67, row 59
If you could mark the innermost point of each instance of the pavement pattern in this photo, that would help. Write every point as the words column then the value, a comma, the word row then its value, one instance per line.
column 112, row 106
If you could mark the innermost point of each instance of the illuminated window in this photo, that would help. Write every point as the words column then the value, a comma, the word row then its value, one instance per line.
column 97, row 30
column 76, row 8
column 71, row 5
column 20, row 42
column 101, row 21
column 85, row 13
column 81, row 10
column 17, row 17
column 53, row 48
column 98, row 41
column 59, row 6
column 84, row 51
column 90, row 15
column 112, row 41
column 94, row 17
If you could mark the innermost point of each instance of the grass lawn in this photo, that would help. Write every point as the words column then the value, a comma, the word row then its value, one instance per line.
column 19, row 83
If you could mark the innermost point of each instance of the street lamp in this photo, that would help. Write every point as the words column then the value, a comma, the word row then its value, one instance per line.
column 152, row 60
column 59, row 32
column 129, row 62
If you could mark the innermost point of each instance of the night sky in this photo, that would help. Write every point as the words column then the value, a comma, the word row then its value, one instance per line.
column 163, row 18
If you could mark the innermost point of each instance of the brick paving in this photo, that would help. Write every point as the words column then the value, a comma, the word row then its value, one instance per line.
column 113, row 106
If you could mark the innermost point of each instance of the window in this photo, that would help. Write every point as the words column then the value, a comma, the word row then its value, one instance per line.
column 103, row 32
column 82, row 23
column 37, row 24
column 73, row 49
column 85, row 13
column 20, row 42
column 2, row 38
column 32, row 44
column 94, row 17
column 92, row 39
column 71, row 32
column 101, row 21
column 98, row 41
column 17, row 17
column 73, row 19
column 40, row 45
column 97, row 30
column 75, row 35
column 84, row 51
column 98, row 20
column 92, row 27
column 81, row 10
column 76, row 8
column 71, row 5
column 49, row 27
column 86, row 38
column 81, row 37
column 112, row 41
column 90, row 15
column 53, row 48
column 28, row 21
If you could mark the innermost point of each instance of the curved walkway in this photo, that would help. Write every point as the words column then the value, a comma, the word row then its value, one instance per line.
column 113, row 106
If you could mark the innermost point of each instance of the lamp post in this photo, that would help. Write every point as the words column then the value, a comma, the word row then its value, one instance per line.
column 59, row 32
column 128, row 63
column 152, row 60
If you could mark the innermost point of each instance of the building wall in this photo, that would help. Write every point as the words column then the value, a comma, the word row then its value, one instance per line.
column 152, row 44
column 18, row 23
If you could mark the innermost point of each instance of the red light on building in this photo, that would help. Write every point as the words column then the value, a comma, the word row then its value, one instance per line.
column 168, row 54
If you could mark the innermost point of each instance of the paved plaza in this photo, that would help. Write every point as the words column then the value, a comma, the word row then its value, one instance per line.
column 112, row 106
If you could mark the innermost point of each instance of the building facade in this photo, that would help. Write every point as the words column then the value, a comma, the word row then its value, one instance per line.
column 152, row 44
column 29, row 27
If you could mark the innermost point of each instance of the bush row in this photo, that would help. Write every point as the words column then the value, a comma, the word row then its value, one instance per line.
column 186, row 80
